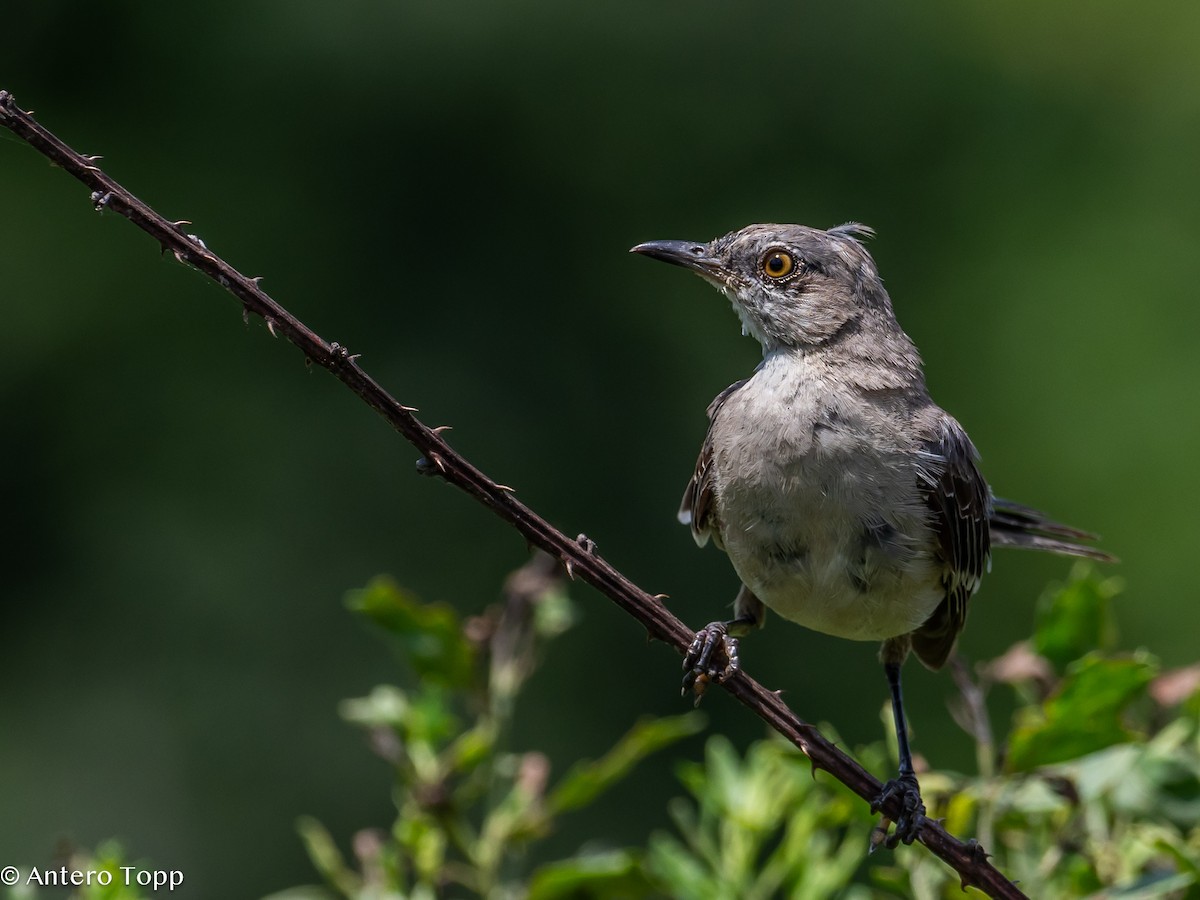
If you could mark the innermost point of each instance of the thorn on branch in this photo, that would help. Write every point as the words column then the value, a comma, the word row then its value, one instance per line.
column 505, row 488
column 974, row 850
column 587, row 545
column 271, row 328
column 440, row 428
column 661, row 598
column 178, row 224
column 978, row 857
column 805, row 743
column 245, row 314
column 433, row 464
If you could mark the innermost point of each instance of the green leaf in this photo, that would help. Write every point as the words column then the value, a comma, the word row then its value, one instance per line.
column 432, row 720
column 600, row 875
column 1157, row 781
column 1076, row 618
column 424, row 843
column 765, row 828
column 554, row 612
column 588, row 780
column 673, row 865
column 471, row 748
column 758, row 793
column 429, row 635
column 385, row 706
column 1149, row 887
column 303, row 892
column 1083, row 715
column 424, row 716
column 326, row 858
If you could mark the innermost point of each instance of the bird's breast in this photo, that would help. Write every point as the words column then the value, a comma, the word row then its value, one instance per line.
column 819, row 509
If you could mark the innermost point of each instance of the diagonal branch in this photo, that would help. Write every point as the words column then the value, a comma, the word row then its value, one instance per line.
column 579, row 554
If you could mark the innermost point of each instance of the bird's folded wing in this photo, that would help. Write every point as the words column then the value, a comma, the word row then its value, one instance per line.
column 696, row 509
column 960, row 509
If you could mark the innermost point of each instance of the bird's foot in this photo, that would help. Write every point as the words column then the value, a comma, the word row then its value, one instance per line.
column 912, row 812
column 711, row 659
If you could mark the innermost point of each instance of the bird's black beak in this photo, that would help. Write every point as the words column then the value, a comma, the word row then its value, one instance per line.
column 688, row 254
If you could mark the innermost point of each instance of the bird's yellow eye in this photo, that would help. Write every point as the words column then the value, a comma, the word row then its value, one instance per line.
column 778, row 264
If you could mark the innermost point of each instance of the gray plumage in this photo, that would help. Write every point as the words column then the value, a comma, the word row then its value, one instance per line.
column 846, row 499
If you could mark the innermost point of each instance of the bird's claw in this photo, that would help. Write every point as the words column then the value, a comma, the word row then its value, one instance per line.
column 912, row 812
column 711, row 659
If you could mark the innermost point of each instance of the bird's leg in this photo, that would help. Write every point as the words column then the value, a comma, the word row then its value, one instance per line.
column 713, row 656
column 904, row 786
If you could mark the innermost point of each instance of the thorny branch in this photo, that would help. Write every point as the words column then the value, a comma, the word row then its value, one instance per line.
column 578, row 555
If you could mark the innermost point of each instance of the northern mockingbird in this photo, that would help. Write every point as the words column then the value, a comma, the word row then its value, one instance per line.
column 847, row 500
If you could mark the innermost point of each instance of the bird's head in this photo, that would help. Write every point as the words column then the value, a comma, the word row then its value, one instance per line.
column 792, row 286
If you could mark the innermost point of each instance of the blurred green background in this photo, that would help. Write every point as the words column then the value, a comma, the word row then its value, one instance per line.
column 450, row 190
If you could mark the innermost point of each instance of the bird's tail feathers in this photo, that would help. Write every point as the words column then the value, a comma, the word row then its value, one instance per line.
column 1015, row 525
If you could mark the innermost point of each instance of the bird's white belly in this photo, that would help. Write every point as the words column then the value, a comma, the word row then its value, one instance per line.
column 835, row 579
column 829, row 602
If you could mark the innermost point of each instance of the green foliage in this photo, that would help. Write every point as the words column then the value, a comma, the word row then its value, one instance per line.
column 1076, row 618
column 469, row 807
column 1086, row 712
column 758, row 827
column 1095, row 792
column 588, row 780
column 428, row 635
column 1099, row 796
